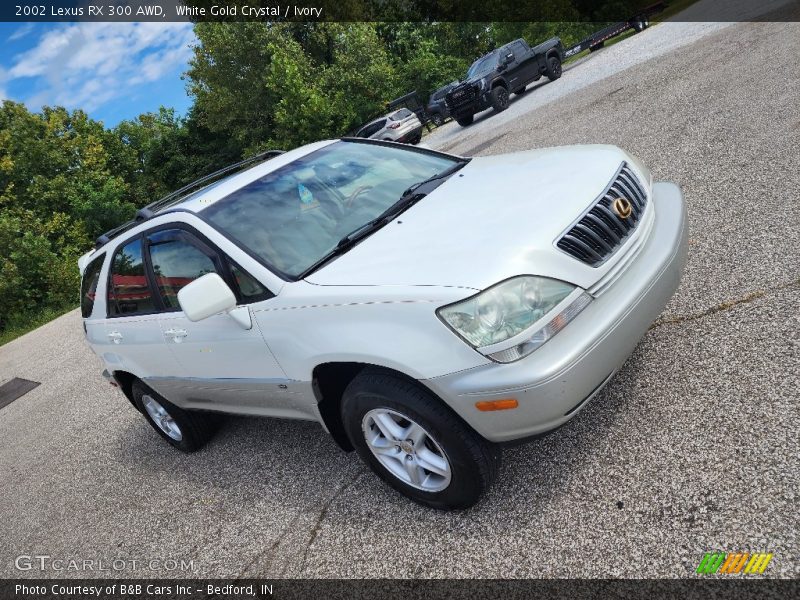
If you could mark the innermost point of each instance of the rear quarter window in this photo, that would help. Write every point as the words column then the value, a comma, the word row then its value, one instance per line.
column 91, row 275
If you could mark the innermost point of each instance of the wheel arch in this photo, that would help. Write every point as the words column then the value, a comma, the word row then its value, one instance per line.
column 125, row 381
column 330, row 381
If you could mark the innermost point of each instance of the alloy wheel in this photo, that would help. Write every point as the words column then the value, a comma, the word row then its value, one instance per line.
column 406, row 449
column 161, row 417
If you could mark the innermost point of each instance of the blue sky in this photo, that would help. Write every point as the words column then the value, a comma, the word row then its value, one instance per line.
column 113, row 71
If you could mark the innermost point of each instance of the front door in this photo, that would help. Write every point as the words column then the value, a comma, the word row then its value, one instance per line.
column 226, row 367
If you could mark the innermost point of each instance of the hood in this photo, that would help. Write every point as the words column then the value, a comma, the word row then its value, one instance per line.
column 496, row 218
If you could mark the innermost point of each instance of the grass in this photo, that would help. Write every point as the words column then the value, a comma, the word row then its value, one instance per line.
column 19, row 325
column 673, row 8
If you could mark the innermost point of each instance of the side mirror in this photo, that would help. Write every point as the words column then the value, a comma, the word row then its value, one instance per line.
column 206, row 296
column 508, row 59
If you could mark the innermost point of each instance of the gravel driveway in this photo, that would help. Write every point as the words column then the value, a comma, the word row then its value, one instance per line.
column 693, row 447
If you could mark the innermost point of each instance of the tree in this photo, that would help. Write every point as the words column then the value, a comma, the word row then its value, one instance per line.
column 276, row 85
column 57, row 162
column 60, row 187
column 228, row 78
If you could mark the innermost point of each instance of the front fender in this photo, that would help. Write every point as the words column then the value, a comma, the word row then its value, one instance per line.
column 390, row 326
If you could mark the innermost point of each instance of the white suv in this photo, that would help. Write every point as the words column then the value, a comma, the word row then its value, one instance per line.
column 422, row 307
column 398, row 126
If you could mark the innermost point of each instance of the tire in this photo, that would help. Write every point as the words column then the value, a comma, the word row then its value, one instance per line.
column 554, row 69
column 596, row 47
column 194, row 429
column 520, row 91
column 499, row 98
column 638, row 26
column 466, row 120
column 437, row 119
column 465, row 464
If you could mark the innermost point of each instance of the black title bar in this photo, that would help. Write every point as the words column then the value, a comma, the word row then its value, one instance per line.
column 395, row 10
column 738, row 587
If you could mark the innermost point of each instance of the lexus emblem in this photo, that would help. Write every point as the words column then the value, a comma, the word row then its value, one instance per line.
column 622, row 207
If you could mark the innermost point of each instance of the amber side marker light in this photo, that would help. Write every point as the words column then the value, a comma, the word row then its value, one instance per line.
column 504, row 404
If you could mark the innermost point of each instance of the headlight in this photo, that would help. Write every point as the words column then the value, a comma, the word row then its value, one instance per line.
column 525, row 311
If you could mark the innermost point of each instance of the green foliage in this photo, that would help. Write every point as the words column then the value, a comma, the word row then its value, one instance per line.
column 59, row 187
column 282, row 85
column 35, row 271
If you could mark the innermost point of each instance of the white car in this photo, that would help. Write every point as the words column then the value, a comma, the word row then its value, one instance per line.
column 423, row 307
column 401, row 125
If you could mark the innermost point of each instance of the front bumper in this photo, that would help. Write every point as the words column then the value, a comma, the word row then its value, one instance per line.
column 555, row 381
column 481, row 103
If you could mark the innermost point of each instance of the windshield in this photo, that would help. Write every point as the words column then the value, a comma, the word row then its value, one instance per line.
column 482, row 66
column 294, row 216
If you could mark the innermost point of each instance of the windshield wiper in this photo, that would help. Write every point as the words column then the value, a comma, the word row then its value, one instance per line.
column 412, row 195
column 344, row 244
column 435, row 177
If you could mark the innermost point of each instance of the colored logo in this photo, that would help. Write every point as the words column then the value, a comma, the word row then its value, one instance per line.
column 732, row 563
column 622, row 207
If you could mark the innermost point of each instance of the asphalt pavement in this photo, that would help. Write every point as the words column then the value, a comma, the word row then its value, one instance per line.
column 693, row 447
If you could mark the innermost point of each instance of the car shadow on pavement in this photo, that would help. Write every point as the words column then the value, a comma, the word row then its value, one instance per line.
column 285, row 458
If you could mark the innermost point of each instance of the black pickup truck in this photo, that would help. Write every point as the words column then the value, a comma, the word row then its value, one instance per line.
column 504, row 71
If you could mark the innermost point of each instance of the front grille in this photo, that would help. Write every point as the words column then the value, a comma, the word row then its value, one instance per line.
column 600, row 232
column 460, row 97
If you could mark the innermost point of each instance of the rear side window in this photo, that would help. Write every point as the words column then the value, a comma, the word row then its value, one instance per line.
column 129, row 292
column 176, row 263
column 374, row 128
column 91, row 275
column 518, row 48
column 401, row 114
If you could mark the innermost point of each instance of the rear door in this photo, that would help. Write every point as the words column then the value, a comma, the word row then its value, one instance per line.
column 377, row 130
column 525, row 63
column 225, row 366
column 134, row 341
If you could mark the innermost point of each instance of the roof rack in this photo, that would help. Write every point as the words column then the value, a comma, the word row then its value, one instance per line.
column 149, row 211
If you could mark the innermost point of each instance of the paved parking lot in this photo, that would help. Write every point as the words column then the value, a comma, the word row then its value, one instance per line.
column 693, row 447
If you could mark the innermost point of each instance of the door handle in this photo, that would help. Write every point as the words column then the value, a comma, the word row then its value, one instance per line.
column 115, row 336
column 177, row 335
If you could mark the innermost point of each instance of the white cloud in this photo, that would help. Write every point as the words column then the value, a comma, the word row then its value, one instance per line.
column 21, row 32
column 86, row 65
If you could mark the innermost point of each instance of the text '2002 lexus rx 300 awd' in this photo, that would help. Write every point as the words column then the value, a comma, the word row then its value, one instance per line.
column 423, row 307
